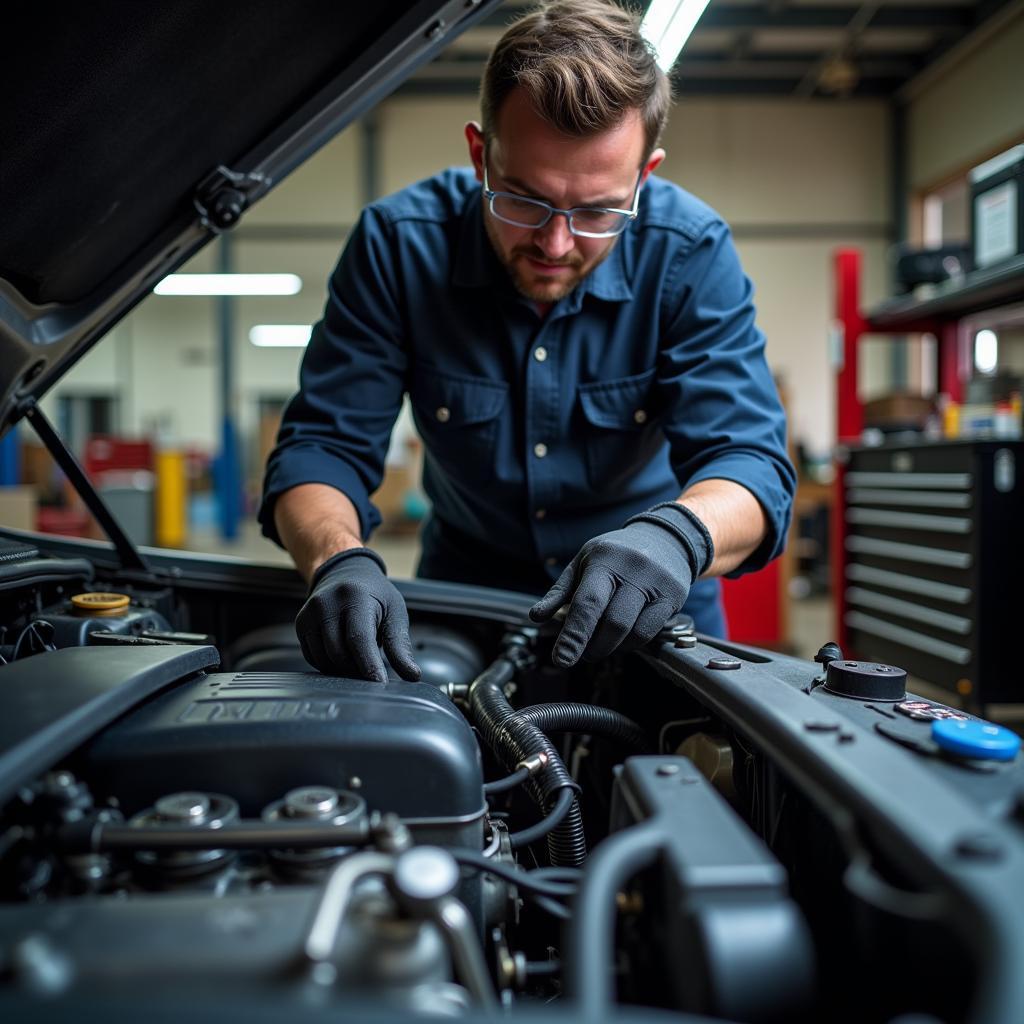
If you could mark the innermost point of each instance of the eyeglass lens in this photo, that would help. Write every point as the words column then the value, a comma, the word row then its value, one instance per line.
column 528, row 213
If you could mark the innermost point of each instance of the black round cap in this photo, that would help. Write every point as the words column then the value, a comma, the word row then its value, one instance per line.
column 866, row 680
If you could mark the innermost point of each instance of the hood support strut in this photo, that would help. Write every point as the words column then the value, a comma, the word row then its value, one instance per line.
column 127, row 553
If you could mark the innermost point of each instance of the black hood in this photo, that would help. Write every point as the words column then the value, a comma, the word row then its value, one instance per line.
column 131, row 134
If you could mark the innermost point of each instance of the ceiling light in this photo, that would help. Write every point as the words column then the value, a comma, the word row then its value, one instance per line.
column 280, row 335
column 230, row 284
column 986, row 351
column 667, row 25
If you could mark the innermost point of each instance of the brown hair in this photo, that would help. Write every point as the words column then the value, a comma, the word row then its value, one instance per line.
column 584, row 66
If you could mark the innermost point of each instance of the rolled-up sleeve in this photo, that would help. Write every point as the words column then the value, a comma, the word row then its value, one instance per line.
column 724, row 419
column 336, row 429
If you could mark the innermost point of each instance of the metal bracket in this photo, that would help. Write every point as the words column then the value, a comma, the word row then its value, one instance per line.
column 224, row 195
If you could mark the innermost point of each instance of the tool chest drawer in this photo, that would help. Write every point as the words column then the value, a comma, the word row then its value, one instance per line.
column 932, row 558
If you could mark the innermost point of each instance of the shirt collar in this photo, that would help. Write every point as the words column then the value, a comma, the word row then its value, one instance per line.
column 476, row 264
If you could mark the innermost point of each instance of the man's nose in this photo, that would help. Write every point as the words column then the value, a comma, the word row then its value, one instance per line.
column 555, row 239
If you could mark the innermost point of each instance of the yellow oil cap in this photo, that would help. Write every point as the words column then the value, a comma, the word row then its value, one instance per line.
column 101, row 604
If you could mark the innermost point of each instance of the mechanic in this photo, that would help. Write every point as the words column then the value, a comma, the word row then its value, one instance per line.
column 578, row 342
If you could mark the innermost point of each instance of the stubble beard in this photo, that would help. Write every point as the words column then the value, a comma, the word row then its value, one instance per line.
column 527, row 283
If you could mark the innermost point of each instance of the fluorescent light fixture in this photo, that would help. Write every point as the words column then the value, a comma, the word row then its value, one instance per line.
column 280, row 335
column 986, row 351
column 230, row 284
column 667, row 25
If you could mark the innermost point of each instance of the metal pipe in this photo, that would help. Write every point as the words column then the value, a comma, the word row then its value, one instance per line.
column 457, row 926
column 337, row 895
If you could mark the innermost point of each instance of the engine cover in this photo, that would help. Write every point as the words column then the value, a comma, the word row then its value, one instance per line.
column 256, row 735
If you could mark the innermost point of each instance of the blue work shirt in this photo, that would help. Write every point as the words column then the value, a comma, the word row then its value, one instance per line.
column 540, row 432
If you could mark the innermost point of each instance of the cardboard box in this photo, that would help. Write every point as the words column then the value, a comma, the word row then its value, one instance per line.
column 18, row 507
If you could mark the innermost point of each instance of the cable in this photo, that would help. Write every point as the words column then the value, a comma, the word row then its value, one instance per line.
column 514, row 740
column 551, row 906
column 586, row 718
column 517, row 778
column 554, row 818
column 542, row 968
column 568, row 875
column 524, row 880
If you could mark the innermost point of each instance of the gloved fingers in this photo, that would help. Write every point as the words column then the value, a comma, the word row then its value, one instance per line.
column 559, row 593
column 312, row 645
column 357, row 638
column 617, row 622
column 648, row 624
column 396, row 642
column 360, row 646
column 585, row 611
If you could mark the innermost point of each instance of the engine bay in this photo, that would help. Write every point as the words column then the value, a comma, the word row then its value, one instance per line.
column 191, row 815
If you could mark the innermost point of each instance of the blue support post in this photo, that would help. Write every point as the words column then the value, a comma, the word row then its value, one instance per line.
column 10, row 459
column 228, row 475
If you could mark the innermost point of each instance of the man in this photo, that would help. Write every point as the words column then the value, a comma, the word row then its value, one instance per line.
column 578, row 342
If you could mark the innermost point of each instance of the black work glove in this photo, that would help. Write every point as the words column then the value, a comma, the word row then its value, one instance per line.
column 353, row 610
column 626, row 584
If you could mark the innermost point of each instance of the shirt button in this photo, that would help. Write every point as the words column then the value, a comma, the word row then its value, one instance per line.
column 540, row 353
column 551, row 561
column 443, row 414
column 640, row 416
column 540, row 450
column 540, row 513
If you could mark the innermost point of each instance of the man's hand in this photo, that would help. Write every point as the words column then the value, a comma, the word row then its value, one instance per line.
column 353, row 610
column 626, row 584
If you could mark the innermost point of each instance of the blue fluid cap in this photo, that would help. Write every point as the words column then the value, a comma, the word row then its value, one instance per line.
column 981, row 740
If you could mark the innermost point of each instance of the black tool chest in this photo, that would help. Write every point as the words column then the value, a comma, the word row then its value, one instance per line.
column 934, row 559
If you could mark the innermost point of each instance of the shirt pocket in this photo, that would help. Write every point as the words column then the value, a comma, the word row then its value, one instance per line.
column 458, row 418
column 622, row 429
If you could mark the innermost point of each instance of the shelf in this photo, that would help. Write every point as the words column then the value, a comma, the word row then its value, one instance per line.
column 977, row 291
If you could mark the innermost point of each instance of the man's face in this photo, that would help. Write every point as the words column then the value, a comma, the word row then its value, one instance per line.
column 529, row 157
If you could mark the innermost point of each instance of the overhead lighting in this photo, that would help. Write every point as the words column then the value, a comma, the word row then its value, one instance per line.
column 667, row 25
column 230, row 284
column 986, row 351
column 280, row 335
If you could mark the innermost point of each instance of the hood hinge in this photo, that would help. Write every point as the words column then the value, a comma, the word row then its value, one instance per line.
column 224, row 195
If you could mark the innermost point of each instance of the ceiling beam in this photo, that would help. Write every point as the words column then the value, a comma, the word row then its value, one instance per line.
column 691, row 86
column 839, row 16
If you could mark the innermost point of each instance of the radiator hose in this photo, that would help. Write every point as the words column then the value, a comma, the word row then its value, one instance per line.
column 512, row 740
column 586, row 718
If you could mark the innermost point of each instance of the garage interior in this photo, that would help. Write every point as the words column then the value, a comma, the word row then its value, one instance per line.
column 862, row 154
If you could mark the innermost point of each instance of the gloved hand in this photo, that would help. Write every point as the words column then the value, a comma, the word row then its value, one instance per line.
column 626, row 584
column 353, row 610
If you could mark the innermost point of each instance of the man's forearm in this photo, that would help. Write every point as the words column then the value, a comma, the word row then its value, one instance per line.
column 315, row 521
column 734, row 519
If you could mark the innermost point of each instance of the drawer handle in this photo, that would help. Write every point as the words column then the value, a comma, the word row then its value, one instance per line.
column 908, row 520
column 919, row 481
column 908, row 637
column 911, row 584
column 909, row 552
column 921, row 499
column 908, row 610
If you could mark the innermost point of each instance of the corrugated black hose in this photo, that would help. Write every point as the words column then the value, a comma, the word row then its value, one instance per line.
column 513, row 740
column 587, row 718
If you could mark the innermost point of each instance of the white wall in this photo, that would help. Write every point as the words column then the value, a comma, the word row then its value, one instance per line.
column 970, row 111
column 777, row 170
column 796, row 180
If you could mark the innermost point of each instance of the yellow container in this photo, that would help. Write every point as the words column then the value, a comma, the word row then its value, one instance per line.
column 951, row 420
column 171, row 500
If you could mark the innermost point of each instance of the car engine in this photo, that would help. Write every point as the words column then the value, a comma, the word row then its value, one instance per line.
column 189, row 814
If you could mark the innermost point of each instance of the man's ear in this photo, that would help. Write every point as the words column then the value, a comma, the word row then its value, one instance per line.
column 475, row 140
column 652, row 162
